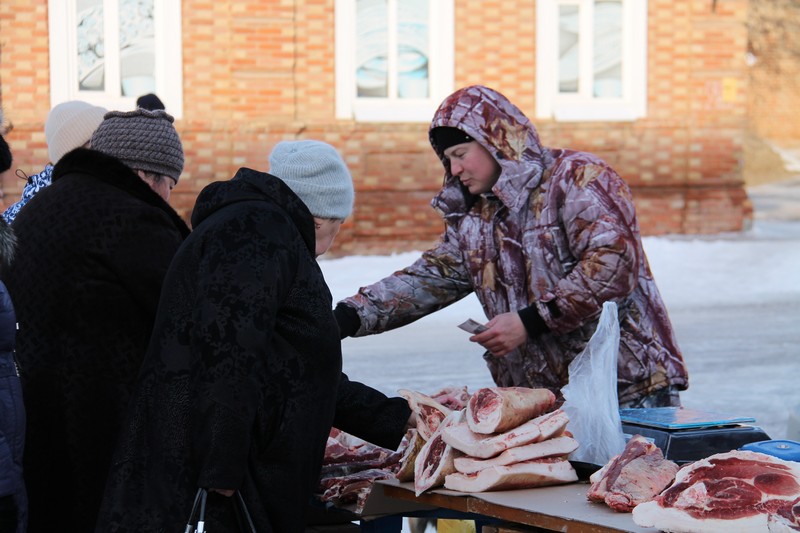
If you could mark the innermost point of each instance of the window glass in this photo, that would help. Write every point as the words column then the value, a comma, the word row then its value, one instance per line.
column 607, row 63
column 591, row 59
column 372, row 48
column 568, row 51
column 412, row 49
column 137, row 47
column 394, row 59
column 110, row 52
column 91, row 53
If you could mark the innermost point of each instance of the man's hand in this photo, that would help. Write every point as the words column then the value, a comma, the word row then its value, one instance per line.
column 504, row 333
column 225, row 492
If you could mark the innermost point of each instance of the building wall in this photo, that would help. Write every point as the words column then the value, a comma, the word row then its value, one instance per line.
column 257, row 72
column 774, row 95
column 774, row 48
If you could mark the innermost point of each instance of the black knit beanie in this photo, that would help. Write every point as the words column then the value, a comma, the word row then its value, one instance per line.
column 150, row 101
column 444, row 137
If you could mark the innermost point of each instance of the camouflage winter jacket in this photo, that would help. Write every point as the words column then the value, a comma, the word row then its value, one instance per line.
column 558, row 232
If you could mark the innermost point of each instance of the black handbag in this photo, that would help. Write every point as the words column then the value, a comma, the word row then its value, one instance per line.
column 197, row 519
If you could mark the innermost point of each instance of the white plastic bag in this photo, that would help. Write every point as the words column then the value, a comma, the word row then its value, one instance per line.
column 591, row 400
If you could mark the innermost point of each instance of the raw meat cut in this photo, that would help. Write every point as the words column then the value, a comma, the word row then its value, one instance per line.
column 344, row 449
column 350, row 467
column 429, row 413
column 435, row 459
column 635, row 476
column 414, row 444
column 556, row 447
column 354, row 488
column 524, row 475
column 462, row 438
column 497, row 409
column 735, row 491
column 454, row 398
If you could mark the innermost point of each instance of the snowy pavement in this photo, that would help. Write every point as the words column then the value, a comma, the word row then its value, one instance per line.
column 734, row 300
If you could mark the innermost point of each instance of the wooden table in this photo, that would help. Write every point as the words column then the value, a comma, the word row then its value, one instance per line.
column 558, row 508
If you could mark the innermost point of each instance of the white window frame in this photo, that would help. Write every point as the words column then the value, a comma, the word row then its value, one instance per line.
column 583, row 106
column 63, row 56
column 392, row 109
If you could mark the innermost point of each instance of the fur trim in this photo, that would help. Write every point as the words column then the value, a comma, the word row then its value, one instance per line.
column 111, row 170
column 8, row 245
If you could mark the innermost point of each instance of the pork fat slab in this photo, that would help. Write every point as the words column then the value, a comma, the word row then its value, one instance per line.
column 497, row 409
column 739, row 491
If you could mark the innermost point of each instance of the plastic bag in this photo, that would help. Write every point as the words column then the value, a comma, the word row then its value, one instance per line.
column 591, row 400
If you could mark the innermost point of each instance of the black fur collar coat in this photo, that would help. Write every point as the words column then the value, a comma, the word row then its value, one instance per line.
column 93, row 250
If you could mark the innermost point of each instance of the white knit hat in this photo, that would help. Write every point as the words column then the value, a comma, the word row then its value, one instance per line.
column 316, row 173
column 70, row 125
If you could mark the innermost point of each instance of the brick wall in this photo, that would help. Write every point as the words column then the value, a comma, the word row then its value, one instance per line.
column 24, row 86
column 774, row 47
column 257, row 72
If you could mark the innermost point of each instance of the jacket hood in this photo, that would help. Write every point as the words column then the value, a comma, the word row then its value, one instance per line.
column 501, row 128
column 253, row 186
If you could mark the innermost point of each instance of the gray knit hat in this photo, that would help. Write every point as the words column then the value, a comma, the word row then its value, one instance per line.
column 143, row 140
column 316, row 173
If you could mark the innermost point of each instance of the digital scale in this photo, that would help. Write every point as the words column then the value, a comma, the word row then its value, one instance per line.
column 687, row 435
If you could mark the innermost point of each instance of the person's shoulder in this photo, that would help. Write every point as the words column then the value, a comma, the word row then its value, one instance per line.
column 5, row 297
column 581, row 168
column 576, row 157
column 86, row 202
column 8, row 315
column 259, row 218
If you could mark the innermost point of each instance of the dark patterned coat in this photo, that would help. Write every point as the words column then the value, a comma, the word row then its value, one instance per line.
column 12, row 419
column 238, row 388
column 93, row 249
column 12, row 408
column 557, row 234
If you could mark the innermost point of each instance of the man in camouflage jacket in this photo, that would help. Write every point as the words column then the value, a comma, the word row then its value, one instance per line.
column 552, row 237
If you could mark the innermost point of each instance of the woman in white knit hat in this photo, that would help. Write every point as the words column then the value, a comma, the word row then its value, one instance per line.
column 69, row 125
column 238, row 389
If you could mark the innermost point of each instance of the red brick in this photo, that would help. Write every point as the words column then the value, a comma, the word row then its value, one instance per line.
column 257, row 72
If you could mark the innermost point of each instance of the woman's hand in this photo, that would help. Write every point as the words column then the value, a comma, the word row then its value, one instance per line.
column 225, row 492
column 504, row 333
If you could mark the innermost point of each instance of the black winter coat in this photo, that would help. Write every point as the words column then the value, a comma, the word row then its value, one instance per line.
column 12, row 412
column 239, row 383
column 93, row 249
column 369, row 414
